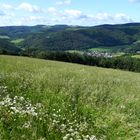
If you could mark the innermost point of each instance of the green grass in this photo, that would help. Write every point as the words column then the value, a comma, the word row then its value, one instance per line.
column 118, row 54
column 17, row 41
column 51, row 100
column 101, row 49
column 136, row 56
column 75, row 51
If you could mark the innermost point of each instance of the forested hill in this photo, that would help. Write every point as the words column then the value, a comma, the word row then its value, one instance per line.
column 7, row 47
column 64, row 37
column 15, row 32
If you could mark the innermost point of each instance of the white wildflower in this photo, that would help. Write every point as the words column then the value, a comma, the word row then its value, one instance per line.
column 27, row 125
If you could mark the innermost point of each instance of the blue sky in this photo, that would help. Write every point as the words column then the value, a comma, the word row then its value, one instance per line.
column 71, row 12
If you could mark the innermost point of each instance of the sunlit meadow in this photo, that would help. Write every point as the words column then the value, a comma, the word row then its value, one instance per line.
column 48, row 100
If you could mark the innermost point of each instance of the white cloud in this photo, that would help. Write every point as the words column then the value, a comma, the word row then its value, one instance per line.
column 52, row 10
column 7, row 14
column 73, row 16
column 101, row 17
column 106, row 18
column 6, row 10
column 29, row 7
column 72, row 13
column 7, row 19
column 66, row 17
column 63, row 2
column 123, row 17
column 31, row 20
column 111, row 18
column 6, row 6
column 53, row 15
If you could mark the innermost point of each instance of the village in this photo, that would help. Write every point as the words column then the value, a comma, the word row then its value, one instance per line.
column 100, row 54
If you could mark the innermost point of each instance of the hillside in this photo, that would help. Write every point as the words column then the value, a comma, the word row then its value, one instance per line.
column 14, row 32
column 83, row 38
column 63, row 37
column 52, row 100
column 7, row 47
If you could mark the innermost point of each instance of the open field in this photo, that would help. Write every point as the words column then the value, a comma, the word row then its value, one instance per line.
column 48, row 100
column 118, row 54
column 75, row 51
column 104, row 49
column 136, row 56
column 17, row 41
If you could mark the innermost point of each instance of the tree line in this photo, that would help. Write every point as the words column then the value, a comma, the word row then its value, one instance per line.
column 122, row 62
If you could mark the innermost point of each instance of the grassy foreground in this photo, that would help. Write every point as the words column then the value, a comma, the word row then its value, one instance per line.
column 47, row 100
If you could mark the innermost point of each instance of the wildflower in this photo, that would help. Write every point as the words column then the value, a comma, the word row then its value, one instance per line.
column 27, row 125
column 38, row 105
column 92, row 137
column 41, row 139
column 66, row 136
column 122, row 106
column 21, row 98
column 71, row 130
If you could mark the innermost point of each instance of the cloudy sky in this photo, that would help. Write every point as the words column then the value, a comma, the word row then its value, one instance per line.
column 71, row 12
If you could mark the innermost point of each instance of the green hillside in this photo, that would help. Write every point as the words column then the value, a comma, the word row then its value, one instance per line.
column 62, row 37
column 15, row 32
column 7, row 47
column 49, row 100
column 122, row 37
column 79, row 39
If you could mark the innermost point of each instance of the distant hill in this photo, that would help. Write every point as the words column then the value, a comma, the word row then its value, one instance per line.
column 64, row 37
column 82, row 38
column 20, row 31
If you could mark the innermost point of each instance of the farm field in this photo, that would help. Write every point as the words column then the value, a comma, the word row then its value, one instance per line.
column 104, row 49
column 17, row 41
column 49, row 100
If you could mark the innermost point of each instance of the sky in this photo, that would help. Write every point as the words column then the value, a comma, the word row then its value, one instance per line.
column 70, row 12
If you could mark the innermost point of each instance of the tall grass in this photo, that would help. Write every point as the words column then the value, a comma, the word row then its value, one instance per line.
column 48, row 100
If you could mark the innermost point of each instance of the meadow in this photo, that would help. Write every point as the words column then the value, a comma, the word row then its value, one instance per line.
column 49, row 100
column 136, row 56
column 101, row 49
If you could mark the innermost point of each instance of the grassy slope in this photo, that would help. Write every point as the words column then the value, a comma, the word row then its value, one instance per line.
column 110, row 98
